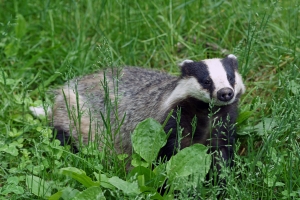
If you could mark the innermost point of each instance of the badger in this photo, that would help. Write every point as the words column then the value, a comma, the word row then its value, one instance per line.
column 208, row 91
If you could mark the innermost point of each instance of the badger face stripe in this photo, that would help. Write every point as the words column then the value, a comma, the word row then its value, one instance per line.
column 223, row 77
column 187, row 87
column 239, row 85
column 219, row 74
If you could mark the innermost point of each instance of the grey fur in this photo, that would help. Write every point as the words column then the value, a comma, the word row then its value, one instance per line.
column 135, row 87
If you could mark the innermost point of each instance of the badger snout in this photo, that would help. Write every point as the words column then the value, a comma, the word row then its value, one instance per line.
column 225, row 94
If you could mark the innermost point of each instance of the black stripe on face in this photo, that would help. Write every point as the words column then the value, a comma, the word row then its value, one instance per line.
column 199, row 70
column 230, row 66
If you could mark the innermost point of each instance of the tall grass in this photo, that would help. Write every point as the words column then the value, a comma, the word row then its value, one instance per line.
column 45, row 43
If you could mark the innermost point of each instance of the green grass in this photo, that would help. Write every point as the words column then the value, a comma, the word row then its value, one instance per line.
column 45, row 43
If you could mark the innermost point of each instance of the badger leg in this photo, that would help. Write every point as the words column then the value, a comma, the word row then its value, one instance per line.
column 222, row 149
column 64, row 138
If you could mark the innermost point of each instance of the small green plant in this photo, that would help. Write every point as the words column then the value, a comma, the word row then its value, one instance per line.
column 143, row 180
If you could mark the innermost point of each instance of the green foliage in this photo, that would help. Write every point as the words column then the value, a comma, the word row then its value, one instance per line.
column 148, row 138
column 90, row 193
column 189, row 161
column 45, row 43
column 12, row 186
column 38, row 186
column 141, row 181
column 79, row 176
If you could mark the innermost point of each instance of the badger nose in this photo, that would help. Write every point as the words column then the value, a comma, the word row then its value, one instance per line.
column 225, row 94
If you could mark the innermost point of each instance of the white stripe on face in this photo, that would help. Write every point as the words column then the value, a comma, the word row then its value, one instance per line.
column 217, row 73
column 188, row 87
column 219, row 77
column 239, row 85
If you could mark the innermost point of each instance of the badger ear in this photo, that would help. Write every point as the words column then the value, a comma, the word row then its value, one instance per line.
column 232, row 60
column 184, row 67
column 185, row 62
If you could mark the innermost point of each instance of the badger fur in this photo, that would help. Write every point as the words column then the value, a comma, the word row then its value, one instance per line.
column 208, row 90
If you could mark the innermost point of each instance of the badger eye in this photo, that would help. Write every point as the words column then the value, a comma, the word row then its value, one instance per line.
column 207, row 82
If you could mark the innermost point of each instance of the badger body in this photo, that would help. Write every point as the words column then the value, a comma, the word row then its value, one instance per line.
column 208, row 90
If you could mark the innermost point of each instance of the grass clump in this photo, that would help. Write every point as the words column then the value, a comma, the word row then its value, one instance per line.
column 45, row 43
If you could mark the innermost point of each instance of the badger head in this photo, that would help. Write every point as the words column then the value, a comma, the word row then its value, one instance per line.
column 209, row 80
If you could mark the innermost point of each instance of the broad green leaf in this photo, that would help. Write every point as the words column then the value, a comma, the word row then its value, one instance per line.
column 149, row 176
column 279, row 184
column 152, row 191
column 79, row 175
column 11, row 149
column 12, row 189
column 127, row 187
column 122, row 156
column 38, row 186
column 103, row 180
column 294, row 87
column 140, row 170
column 13, row 180
column 7, row 81
column 37, row 169
column 20, row 28
column 243, row 116
column 138, row 161
column 94, row 193
column 190, row 160
column 148, row 138
column 15, row 133
column 289, row 194
column 270, row 181
column 55, row 196
column 69, row 193
column 12, row 49
column 267, row 124
column 66, row 193
column 159, row 171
